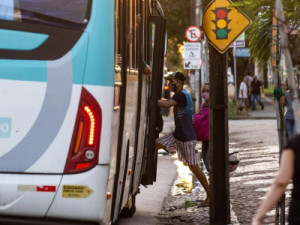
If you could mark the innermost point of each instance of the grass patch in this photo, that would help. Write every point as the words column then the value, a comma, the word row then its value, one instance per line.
column 231, row 108
column 269, row 91
column 188, row 204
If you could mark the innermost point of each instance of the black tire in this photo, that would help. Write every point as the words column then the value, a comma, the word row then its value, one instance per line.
column 129, row 212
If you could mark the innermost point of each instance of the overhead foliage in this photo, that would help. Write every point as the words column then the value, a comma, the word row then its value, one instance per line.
column 259, row 33
column 177, row 13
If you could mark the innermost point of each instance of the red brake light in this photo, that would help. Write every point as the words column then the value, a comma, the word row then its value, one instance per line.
column 82, row 166
column 85, row 144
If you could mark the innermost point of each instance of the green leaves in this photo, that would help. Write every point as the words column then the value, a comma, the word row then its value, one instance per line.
column 259, row 34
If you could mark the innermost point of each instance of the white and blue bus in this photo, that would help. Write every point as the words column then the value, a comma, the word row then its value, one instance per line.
column 78, row 118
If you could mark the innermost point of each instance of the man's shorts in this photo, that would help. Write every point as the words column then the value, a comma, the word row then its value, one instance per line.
column 185, row 149
column 246, row 101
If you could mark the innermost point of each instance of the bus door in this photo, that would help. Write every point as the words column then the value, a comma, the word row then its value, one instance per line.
column 155, row 122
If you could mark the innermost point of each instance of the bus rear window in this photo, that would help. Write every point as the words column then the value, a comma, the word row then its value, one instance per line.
column 73, row 14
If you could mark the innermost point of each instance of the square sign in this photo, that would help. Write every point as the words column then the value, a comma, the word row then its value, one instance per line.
column 192, row 56
column 243, row 52
column 192, row 50
column 223, row 24
column 240, row 42
column 190, row 64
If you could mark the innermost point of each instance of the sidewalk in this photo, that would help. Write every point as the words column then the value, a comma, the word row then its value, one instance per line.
column 269, row 111
column 180, row 206
column 258, row 153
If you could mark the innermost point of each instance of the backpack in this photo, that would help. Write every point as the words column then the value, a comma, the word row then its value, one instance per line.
column 201, row 123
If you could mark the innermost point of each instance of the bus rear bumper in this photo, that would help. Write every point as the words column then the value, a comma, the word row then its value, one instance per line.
column 82, row 196
column 49, row 199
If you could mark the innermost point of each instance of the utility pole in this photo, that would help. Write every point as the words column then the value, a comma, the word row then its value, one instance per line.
column 198, row 80
column 275, row 61
column 235, row 77
column 192, row 72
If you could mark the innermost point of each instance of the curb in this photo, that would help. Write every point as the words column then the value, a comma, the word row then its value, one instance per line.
column 250, row 118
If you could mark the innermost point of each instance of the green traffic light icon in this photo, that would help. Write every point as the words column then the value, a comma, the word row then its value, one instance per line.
column 221, row 22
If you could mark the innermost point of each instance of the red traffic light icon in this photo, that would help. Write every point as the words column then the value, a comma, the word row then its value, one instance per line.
column 221, row 22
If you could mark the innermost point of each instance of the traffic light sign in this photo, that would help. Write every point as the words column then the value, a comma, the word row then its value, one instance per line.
column 221, row 22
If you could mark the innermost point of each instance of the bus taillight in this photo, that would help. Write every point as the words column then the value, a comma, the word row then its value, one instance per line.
column 85, row 144
column 91, row 131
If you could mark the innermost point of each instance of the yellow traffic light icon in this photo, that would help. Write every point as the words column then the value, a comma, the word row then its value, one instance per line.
column 223, row 24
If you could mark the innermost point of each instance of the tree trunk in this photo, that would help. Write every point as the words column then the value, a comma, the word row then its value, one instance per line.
column 265, row 76
column 288, row 61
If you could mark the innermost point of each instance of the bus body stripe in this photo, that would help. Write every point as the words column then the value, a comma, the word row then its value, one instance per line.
column 49, row 120
column 24, row 70
column 19, row 40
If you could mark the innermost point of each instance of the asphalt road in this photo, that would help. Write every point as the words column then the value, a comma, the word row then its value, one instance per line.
column 149, row 202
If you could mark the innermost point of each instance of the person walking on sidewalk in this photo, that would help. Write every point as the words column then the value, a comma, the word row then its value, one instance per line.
column 289, row 169
column 201, row 125
column 243, row 96
column 256, row 85
column 183, row 139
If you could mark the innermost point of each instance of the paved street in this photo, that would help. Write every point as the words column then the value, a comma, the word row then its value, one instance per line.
column 150, row 201
column 256, row 140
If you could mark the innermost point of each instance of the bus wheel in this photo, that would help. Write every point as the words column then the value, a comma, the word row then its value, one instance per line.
column 129, row 212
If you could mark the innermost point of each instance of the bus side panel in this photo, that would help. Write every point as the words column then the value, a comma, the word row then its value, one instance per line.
column 129, row 129
column 141, row 138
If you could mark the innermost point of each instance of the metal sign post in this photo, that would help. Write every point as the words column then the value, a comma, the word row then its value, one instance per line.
column 222, row 25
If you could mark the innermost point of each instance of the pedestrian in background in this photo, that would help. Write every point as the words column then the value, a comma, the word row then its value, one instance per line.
column 289, row 119
column 289, row 169
column 201, row 125
column 243, row 96
column 256, row 85
column 250, row 79
column 183, row 139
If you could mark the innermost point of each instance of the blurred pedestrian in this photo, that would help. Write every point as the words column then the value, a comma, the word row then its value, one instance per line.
column 183, row 139
column 201, row 125
column 250, row 79
column 256, row 85
column 289, row 119
column 289, row 169
column 243, row 96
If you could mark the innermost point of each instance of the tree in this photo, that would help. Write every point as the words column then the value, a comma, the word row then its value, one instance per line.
column 288, row 61
column 260, row 31
column 177, row 13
